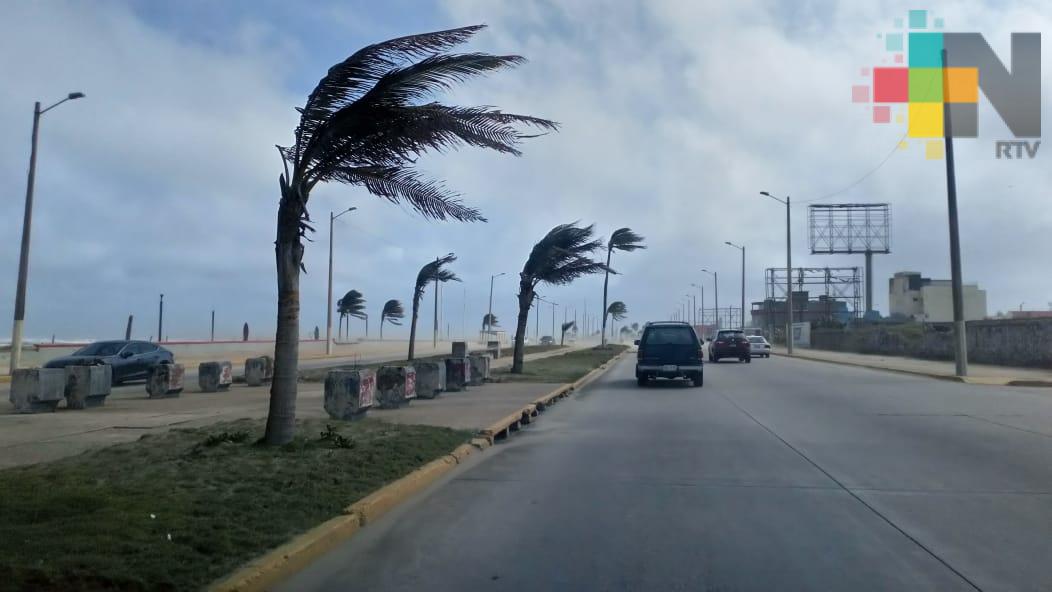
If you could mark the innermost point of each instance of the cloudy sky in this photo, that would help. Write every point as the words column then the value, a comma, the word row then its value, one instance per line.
column 675, row 113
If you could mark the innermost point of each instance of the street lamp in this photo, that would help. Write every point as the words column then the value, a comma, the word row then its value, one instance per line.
column 434, row 336
column 701, row 289
column 328, row 315
column 742, row 249
column 716, row 290
column 27, row 223
column 489, row 315
column 788, row 274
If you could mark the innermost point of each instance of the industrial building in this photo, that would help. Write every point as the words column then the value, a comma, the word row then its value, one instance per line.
column 922, row 299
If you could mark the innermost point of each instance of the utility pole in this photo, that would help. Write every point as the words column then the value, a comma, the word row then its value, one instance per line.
column 213, row 333
column 160, row 319
column 489, row 314
column 789, row 275
column 27, row 226
column 554, row 304
column 328, row 308
column 959, row 329
column 716, row 289
column 742, row 249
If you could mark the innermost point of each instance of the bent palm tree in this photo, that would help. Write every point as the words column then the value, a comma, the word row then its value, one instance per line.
column 562, row 256
column 351, row 305
column 392, row 313
column 566, row 327
column 489, row 320
column 432, row 272
column 365, row 124
column 623, row 239
column 617, row 311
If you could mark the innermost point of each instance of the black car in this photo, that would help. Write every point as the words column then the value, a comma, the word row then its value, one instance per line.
column 730, row 343
column 130, row 359
column 669, row 350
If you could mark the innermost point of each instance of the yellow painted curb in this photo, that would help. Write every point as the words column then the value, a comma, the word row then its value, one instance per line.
column 291, row 557
column 5, row 378
column 381, row 501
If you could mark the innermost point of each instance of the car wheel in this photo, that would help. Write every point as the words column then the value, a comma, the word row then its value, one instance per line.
column 641, row 380
column 715, row 359
column 698, row 379
column 748, row 360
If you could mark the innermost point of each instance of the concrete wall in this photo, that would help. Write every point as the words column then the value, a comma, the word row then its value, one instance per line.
column 1009, row 342
column 937, row 300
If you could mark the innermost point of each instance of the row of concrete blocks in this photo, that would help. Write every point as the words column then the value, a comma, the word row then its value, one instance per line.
column 36, row 390
column 166, row 380
column 349, row 394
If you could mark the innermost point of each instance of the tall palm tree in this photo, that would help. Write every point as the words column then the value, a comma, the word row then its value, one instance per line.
column 623, row 239
column 562, row 256
column 617, row 311
column 489, row 320
column 365, row 124
column 351, row 305
column 432, row 272
column 392, row 313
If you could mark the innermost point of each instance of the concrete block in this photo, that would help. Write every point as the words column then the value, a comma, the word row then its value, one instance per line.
column 349, row 393
column 479, row 369
column 215, row 376
column 460, row 349
column 259, row 370
column 165, row 380
column 87, row 386
column 458, row 373
column 395, row 386
column 493, row 347
column 34, row 390
column 430, row 379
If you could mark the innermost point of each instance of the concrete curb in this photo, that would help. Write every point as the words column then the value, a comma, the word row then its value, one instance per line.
column 946, row 377
column 5, row 378
column 280, row 563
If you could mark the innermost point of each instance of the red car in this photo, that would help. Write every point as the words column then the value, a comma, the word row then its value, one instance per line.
column 730, row 343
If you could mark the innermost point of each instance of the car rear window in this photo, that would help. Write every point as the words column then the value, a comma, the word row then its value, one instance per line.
column 670, row 336
column 756, row 339
column 725, row 334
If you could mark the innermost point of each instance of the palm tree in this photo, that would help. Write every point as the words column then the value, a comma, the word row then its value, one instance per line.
column 625, row 331
column 489, row 320
column 566, row 327
column 432, row 272
column 562, row 256
column 365, row 124
column 623, row 239
column 617, row 310
column 392, row 313
column 351, row 305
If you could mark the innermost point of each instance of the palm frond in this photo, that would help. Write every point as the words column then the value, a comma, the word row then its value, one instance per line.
column 398, row 185
column 350, row 79
column 563, row 255
column 436, row 73
column 392, row 312
column 434, row 271
column 568, row 325
column 617, row 310
column 352, row 304
column 624, row 239
column 490, row 320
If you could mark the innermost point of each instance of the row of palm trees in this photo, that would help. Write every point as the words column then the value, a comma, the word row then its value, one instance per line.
column 366, row 123
column 352, row 305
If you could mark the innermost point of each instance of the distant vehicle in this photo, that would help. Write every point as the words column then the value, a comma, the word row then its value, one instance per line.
column 759, row 346
column 129, row 359
column 669, row 350
column 730, row 343
column 547, row 340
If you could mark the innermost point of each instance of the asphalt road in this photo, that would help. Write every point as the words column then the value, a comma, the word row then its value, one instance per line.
column 777, row 475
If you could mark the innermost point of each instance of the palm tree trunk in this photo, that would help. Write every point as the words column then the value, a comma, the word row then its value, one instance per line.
column 281, row 418
column 525, row 301
column 412, row 327
column 606, row 282
column 381, row 328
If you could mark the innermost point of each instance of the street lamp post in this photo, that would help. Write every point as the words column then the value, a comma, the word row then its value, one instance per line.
column 434, row 335
column 27, row 224
column 788, row 275
column 328, row 314
column 489, row 314
column 716, row 290
column 742, row 249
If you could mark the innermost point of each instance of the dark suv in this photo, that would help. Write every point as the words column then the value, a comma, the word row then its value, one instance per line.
column 669, row 350
column 730, row 343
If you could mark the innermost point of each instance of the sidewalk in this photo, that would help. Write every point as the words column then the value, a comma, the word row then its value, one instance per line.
column 977, row 373
column 129, row 415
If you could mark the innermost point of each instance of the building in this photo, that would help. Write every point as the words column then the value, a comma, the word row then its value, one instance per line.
column 926, row 300
column 1030, row 314
column 770, row 313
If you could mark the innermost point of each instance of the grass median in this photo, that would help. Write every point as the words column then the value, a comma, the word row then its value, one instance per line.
column 179, row 510
column 565, row 368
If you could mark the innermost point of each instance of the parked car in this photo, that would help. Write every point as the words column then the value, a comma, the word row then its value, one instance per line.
column 759, row 347
column 669, row 350
column 730, row 343
column 547, row 340
column 129, row 359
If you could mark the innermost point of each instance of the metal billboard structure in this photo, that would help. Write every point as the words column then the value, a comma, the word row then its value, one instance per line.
column 848, row 229
column 832, row 294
